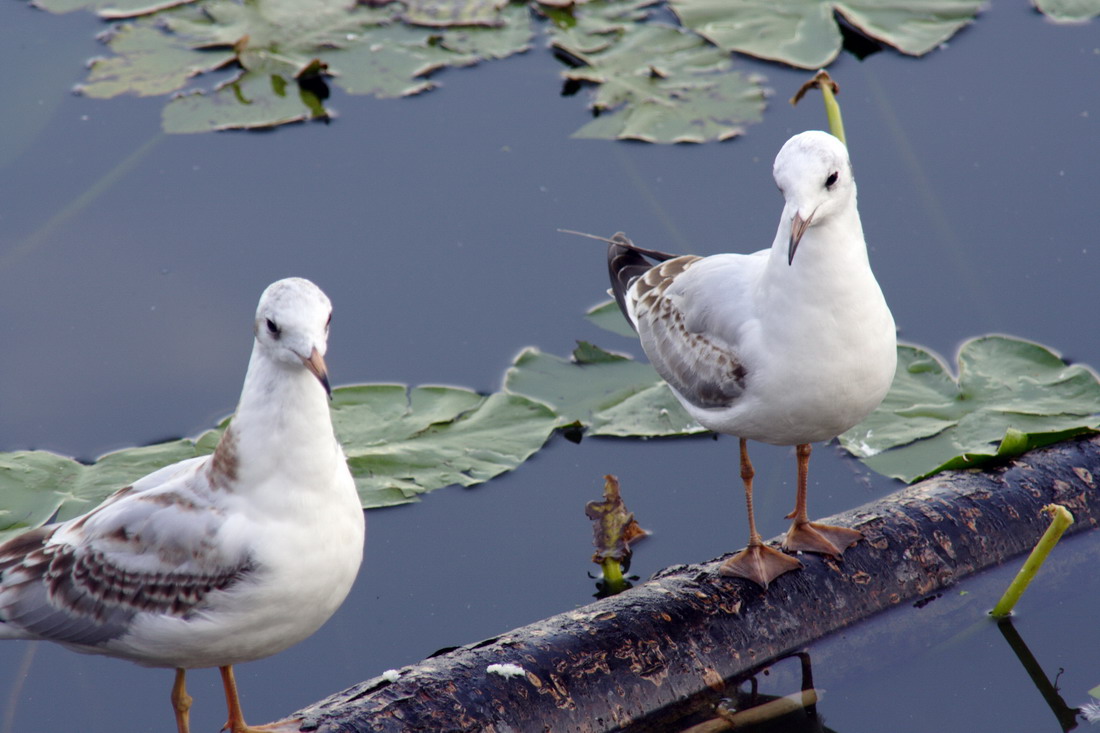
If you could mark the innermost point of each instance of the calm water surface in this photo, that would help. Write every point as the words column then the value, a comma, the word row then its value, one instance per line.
column 131, row 261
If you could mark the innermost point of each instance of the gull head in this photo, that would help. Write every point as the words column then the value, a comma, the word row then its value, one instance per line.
column 291, row 326
column 814, row 174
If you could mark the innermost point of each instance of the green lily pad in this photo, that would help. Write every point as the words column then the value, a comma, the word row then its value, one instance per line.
column 660, row 84
column 805, row 33
column 395, row 60
column 401, row 443
column 38, row 486
column 595, row 26
column 608, row 393
column 1010, row 396
column 148, row 62
column 109, row 8
column 609, row 317
column 286, row 52
column 1068, row 11
column 453, row 12
column 260, row 96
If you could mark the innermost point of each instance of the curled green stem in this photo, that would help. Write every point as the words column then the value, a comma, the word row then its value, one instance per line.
column 829, row 88
column 832, row 112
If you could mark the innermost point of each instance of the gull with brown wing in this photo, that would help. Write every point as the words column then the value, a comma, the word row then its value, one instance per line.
column 218, row 559
column 769, row 346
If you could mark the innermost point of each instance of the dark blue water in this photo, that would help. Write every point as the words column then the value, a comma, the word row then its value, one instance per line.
column 131, row 261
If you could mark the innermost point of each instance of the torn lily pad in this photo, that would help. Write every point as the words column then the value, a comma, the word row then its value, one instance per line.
column 40, row 486
column 284, row 54
column 607, row 393
column 608, row 316
column 453, row 12
column 660, row 84
column 402, row 442
column 594, row 26
column 805, row 33
column 1011, row 396
column 1068, row 11
column 109, row 9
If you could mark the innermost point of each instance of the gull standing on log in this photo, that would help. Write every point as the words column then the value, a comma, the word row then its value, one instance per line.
column 790, row 345
column 217, row 559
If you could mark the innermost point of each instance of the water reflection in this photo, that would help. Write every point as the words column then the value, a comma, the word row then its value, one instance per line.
column 1067, row 716
column 739, row 704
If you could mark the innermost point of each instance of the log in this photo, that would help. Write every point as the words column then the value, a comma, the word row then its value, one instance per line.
column 609, row 665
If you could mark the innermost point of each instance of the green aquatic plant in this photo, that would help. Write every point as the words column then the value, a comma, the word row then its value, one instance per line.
column 1060, row 520
column 400, row 443
column 1010, row 396
column 614, row 530
column 250, row 64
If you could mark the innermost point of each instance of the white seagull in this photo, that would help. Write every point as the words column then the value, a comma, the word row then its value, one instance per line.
column 218, row 559
column 767, row 346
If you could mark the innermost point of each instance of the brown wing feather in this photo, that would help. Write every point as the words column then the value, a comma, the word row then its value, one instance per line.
column 79, row 594
column 703, row 370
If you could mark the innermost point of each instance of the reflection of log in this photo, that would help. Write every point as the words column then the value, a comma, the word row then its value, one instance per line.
column 610, row 663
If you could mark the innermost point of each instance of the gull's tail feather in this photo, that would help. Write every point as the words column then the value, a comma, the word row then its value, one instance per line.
column 626, row 262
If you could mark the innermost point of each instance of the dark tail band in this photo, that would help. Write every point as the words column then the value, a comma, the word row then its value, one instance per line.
column 625, row 263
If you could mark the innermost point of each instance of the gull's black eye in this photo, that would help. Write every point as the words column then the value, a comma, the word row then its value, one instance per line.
column 329, row 321
column 273, row 328
column 831, row 180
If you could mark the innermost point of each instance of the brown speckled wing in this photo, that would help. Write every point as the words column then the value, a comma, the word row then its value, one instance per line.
column 702, row 369
column 67, row 583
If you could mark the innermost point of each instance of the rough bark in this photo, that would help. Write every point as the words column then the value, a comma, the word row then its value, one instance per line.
column 607, row 665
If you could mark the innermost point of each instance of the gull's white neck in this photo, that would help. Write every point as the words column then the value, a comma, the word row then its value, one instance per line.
column 282, row 425
column 830, row 266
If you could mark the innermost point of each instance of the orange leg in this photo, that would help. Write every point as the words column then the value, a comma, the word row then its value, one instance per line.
column 807, row 536
column 181, row 702
column 757, row 562
column 236, row 723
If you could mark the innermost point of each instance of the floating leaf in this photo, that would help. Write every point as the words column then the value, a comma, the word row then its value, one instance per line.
column 609, row 316
column 453, row 12
column 262, row 95
column 287, row 52
column 594, row 26
column 511, row 35
column 661, row 84
column 609, row 393
column 148, row 62
column 1011, row 396
column 650, row 413
column 401, row 443
column 1068, row 11
column 109, row 8
column 38, row 486
column 805, row 32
